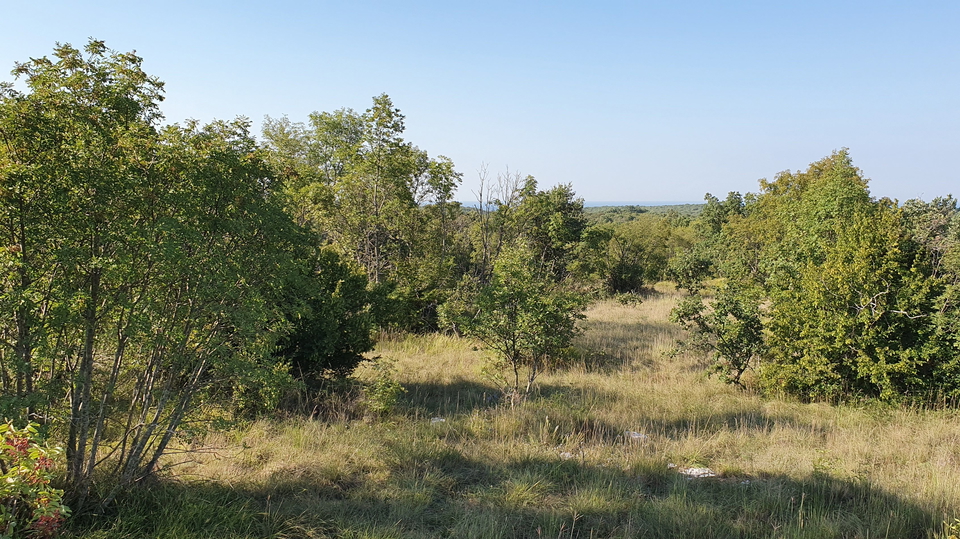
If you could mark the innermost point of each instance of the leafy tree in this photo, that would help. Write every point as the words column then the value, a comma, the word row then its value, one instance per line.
column 855, row 295
column 933, row 228
column 524, row 316
column 616, row 260
column 731, row 329
column 552, row 222
column 71, row 142
column 336, row 326
column 146, row 271
column 627, row 255
column 496, row 223
column 713, row 249
column 513, row 210
column 689, row 269
column 376, row 199
column 858, row 322
column 716, row 213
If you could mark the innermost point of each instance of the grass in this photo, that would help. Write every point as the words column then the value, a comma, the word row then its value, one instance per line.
column 560, row 465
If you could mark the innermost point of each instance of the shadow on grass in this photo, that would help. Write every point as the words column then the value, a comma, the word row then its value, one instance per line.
column 577, row 404
column 601, row 361
column 572, row 408
column 424, row 399
column 745, row 420
column 434, row 491
column 444, row 400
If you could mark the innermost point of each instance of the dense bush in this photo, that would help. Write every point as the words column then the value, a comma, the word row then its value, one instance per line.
column 857, row 297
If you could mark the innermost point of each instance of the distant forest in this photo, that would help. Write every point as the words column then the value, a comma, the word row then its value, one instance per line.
column 621, row 214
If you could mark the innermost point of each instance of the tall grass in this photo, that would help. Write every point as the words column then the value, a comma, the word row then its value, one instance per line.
column 451, row 461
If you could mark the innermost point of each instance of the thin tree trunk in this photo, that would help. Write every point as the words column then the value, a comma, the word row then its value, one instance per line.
column 80, row 415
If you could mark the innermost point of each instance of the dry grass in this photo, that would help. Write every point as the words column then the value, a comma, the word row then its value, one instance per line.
column 560, row 464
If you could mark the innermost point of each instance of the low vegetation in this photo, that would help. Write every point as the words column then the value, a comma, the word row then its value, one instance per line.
column 592, row 454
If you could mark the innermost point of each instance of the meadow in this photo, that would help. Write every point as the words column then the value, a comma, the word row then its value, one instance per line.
column 607, row 446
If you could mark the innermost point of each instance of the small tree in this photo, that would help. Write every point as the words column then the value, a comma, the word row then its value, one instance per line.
column 524, row 316
column 730, row 328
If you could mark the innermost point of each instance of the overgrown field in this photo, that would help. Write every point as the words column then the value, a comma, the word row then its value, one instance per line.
column 598, row 451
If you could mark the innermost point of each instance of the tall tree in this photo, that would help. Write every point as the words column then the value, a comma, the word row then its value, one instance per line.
column 513, row 210
column 376, row 198
column 143, row 270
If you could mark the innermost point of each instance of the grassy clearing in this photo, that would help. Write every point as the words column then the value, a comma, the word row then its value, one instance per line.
column 562, row 464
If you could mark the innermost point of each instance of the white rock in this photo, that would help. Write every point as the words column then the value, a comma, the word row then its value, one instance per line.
column 698, row 472
column 437, row 420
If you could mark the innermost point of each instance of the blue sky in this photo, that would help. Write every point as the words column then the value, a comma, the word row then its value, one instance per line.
column 628, row 101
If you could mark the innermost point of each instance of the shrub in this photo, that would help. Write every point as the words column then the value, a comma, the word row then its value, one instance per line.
column 29, row 506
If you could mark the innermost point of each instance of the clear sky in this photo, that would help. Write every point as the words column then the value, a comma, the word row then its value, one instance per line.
column 628, row 101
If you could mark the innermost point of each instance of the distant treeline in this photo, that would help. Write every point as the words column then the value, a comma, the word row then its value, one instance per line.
column 620, row 214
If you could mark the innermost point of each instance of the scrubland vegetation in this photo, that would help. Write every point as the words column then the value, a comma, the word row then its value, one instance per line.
column 307, row 336
column 562, row 463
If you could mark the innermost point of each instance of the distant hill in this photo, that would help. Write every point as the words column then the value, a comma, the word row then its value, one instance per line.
column 621, row 214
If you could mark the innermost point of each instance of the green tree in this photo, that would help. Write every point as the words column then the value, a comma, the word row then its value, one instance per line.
column 702, row 258
column 855, row 295
column 376, row 199
column 625, row 256
column 858, row 322
column 513, row 210
column 524, row 317
column 335, row 327
column 731, row 329
column 69, row 144
column 145, row 271
column 553, row 223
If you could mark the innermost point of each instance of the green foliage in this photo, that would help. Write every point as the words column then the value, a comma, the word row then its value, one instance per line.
column 689, row 269
column 712, row 251
column 730, row 328
column 382, row 394
column 933, row 229
column 716, row 213
column 858, row 294
column 377, row 200
column 625, row 256
column 335, row 327
column 146, row 271
column 552, row 223
column 523, row 316
column 29, row 505
column 859, row 322
column 683, row 213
